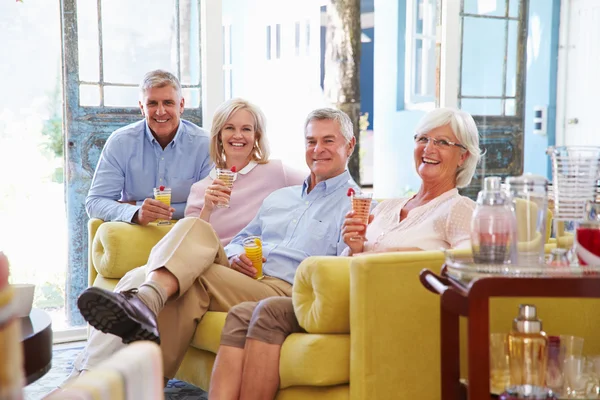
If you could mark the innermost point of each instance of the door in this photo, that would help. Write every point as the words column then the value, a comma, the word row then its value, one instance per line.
column 581, row 56
column 489, row 74
column 108, row 45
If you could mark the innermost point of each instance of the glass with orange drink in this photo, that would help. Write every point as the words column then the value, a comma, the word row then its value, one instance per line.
column 361, row 206
column 253, row 247
column 163, row 194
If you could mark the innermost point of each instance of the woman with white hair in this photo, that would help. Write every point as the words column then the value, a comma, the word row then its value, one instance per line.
column 437, row 216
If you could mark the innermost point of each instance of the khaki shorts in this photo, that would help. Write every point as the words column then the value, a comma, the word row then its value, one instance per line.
column 270, row 321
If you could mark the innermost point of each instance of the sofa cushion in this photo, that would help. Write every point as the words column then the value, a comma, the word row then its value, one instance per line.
column 315, row 360
column 119, row 247
column 208, row 334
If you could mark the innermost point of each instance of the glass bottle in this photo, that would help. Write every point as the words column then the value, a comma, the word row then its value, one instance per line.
column 527, row 352
column 493, row 224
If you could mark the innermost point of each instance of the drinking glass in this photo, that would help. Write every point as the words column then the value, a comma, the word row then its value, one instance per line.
column 499, row 364
column 227, row 177
column 253, row 248
column 164, row 196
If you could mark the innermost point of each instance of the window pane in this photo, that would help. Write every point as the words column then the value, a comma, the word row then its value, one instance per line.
column 268, row 42
column 192, row 96
column 424, row 67
column 509, row 107
column 133, row 48
column 87, row 29
column 307, row 44
column 189, row 42
column 482, row 106
column 297, row 38
column 118, row 96
column 475, row 80
column 485, row 7
column 278, row 41
column 89, row 95
column 418, row 67
column 511, row 59
column 513, row 11
column 419, row 16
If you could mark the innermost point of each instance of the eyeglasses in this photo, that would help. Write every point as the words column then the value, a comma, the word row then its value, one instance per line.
column 440, row 143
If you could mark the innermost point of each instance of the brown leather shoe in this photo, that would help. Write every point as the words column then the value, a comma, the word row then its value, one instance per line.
column 121, row 313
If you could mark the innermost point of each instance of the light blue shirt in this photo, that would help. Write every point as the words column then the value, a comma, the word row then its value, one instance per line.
column 294, row 225
column 133, row 163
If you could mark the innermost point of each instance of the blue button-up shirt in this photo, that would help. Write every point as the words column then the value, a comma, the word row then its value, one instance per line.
column 294, row 224
column 133, row 163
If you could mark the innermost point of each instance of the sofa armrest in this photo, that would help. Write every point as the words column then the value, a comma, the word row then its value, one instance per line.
column 321, row 294
column 93, row 225
column 118, row 247
column 395, row 322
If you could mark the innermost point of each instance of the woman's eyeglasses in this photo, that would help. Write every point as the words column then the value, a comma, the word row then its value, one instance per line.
column 440, row 143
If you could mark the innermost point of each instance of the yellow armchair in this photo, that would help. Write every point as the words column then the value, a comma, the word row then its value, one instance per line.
column 392, row 323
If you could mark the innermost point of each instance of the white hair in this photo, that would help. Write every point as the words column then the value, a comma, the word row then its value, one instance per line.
column 331, row 114
column 157, row 79
column 464, row 128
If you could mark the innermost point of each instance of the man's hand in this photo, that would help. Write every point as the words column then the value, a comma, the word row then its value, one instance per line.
column 243, row 264
column 151, row 211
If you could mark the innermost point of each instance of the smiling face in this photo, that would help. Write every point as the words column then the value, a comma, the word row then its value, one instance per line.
column 238, row 136
column 437, row 165
column 162, row 108
column 327, row 150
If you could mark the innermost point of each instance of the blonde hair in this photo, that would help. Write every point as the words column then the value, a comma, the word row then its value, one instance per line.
column 260, row 151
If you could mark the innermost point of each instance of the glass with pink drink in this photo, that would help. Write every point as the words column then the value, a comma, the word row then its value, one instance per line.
column 361, row 206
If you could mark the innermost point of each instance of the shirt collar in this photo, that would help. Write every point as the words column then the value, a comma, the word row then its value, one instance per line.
column 243, row 171
column 152, row 139
column 330, row 185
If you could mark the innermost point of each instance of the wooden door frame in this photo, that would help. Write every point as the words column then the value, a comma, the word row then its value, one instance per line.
column 562, row 72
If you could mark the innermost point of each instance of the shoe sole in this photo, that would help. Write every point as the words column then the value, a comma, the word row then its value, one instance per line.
column 106, row 315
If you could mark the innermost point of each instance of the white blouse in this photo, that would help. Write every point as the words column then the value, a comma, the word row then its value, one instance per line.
column 444, row 222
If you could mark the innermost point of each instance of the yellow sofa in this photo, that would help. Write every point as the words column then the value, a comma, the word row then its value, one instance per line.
column 394, row 350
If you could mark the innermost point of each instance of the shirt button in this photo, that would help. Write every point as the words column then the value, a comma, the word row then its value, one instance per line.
column 306, row 202
column 160, row 179
column 294, row 221
column 162, row 158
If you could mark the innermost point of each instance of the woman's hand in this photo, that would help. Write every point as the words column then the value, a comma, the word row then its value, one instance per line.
column 353, row 233
column 215, row 193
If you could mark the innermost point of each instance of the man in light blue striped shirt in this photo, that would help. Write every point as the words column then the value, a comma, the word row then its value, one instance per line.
column 161, row 150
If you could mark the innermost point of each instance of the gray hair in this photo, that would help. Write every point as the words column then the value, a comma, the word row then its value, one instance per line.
column 332, row 114
column 464, row 128
column 159, row 78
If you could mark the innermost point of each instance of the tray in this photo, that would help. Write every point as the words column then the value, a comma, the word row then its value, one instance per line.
column 465, row 270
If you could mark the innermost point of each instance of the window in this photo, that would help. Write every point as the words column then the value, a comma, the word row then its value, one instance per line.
column 297, row 39
column 420, row 54
column 273, row 42
column 227, row 62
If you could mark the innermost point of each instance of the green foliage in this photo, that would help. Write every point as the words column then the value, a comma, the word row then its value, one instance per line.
column 49, row 295
column 52, row 129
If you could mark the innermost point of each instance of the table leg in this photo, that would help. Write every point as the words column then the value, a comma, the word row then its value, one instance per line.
column 479, row 349
column 450, row 354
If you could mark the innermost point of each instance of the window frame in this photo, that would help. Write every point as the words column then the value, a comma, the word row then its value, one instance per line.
column 413, row 101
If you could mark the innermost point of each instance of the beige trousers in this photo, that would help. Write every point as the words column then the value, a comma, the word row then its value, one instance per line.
column 192, row 252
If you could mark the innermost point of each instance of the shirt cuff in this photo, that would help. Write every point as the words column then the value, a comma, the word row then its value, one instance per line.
column 129, row 213
column 233, row 250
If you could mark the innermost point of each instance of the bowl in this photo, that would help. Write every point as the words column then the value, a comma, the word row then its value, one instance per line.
column 23, row 298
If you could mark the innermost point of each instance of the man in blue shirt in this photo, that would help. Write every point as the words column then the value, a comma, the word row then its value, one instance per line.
column 191, row 269
column 161, row 150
